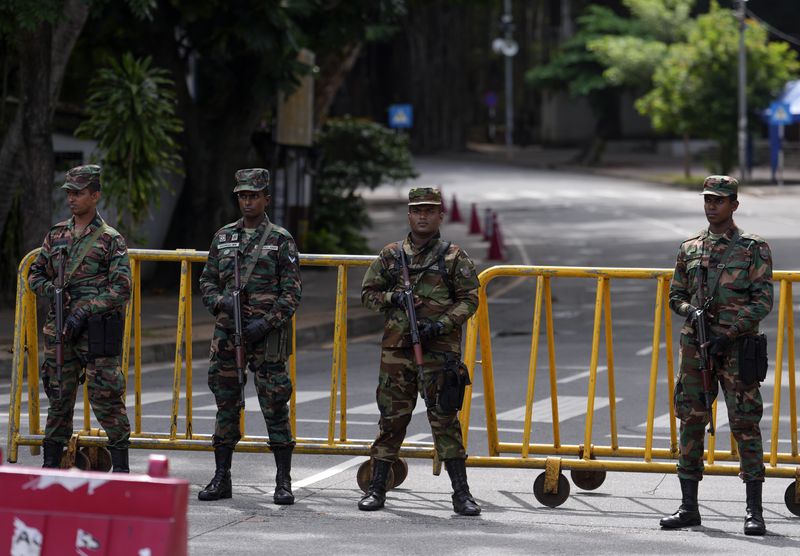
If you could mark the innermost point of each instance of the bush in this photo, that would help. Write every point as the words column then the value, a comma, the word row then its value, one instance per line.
column 355, row 154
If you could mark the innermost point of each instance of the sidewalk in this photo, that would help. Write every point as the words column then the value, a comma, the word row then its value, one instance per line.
column 626, row 164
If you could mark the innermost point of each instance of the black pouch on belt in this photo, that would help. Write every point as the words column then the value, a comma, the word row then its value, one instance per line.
column 753, row 361
column 452, row 382
column 105, row 334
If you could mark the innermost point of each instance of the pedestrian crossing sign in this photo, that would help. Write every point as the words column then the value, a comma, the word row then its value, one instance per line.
column 401, row 116
column 780, row 114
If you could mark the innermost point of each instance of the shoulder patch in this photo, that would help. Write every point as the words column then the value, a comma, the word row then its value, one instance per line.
column 764, row 251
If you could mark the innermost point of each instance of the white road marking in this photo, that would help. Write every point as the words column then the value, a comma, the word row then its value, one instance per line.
column 662, row 421
column 372, row 407
column 568, row 407
column 345, row 465
column 649, row 349
column 251, row 402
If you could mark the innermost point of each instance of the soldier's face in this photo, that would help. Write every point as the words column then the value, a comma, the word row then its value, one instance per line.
column 719, row 209
column 425, row 219
column 82, row 202
column 253, row 203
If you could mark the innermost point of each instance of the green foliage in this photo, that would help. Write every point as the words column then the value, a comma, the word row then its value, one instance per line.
column 695, row 84
column 355, row 154
column 132, row 116
column 629, row 58
column 574, row 67
column 25, row 14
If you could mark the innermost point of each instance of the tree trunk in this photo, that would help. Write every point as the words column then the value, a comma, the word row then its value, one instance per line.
column 213, row 147
column 333, row 71
column 37, row 134
column 687, row 157
column 61, row 43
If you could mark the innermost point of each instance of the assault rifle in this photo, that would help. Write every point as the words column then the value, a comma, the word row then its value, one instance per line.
column 411, row 312
column 59, row 309
column 238, row 344
column 706, row 361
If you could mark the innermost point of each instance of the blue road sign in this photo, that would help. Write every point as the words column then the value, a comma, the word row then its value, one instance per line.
column 401, row 116
column 779, row 113
column 490, row 99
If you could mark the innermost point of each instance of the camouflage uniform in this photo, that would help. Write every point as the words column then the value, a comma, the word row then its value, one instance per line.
column 100, row 283
column 397, row 382
column 743, row 298
column 272, row 293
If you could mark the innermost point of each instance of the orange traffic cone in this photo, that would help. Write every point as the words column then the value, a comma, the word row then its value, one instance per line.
column 474, row 221
column 455, row 214
column 496, row 243
column 487, row 225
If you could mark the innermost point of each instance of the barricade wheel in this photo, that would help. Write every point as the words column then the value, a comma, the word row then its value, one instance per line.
column 587, row 480
column 400, row 470
column 99, row 457
column 364, row 476
column 81, row 461
column 551, row 500
column 788, row 498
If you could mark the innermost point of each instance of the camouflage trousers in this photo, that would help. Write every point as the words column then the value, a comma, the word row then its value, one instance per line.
column 106, row 385
column 744, row 405
column 274, row 388
column 397, row 396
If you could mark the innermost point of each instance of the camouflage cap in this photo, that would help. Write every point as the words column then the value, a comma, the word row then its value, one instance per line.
column 424, row 196
column 251, row 179
column 721, row 186
column 82, row 176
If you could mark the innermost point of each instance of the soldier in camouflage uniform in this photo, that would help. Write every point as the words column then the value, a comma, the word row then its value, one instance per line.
column 741, row 299
column 97, row 282
column 270, row 274
column 445, row 287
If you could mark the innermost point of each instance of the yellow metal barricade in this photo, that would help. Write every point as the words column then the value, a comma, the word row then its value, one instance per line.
column 26, row 365
column 589, row 461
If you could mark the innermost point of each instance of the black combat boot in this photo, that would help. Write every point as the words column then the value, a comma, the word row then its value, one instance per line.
column 283, row 479
column 52, row 454
column 463, row 502
column 119, row 460
column 220, row 485
column 687, row 514
column 754, row 519
column 375, row 497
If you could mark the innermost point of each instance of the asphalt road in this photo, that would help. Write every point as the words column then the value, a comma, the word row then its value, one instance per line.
column 548, row 219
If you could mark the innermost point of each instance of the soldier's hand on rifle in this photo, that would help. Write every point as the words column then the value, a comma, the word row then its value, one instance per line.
column 255, row 330
column 225, row 305
column 430, row 329
column 75, row 324
column 399, row 300
column 718, row 344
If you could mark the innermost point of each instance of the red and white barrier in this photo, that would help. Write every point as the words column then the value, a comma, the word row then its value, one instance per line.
column 49, row 512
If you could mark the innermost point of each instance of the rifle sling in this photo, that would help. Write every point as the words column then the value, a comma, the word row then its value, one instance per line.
column 77, row 261
column 712, row 290
column 252, row 265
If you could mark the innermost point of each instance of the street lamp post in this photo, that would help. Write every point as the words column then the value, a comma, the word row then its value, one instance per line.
column 509, row 70
column 742, row 128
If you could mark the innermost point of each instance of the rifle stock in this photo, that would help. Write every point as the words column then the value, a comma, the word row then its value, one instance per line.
column 59, row 310
column 411, row 312
column 238, row 344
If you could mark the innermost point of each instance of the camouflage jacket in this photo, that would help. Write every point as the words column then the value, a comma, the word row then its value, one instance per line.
column 384, row 277
column 273, row 290
column 744, row 291
column 101, row 282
